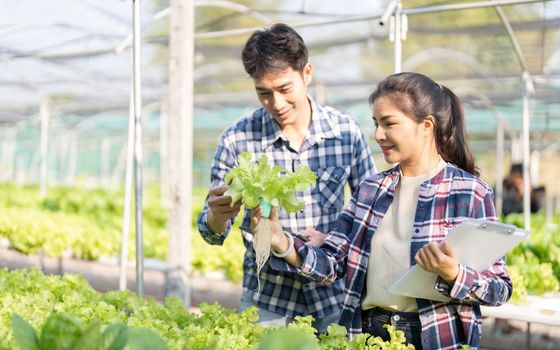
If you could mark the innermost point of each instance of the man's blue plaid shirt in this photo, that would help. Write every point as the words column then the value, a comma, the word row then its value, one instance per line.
column 337, row 152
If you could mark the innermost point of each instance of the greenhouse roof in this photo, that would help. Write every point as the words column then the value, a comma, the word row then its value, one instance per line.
column 77, row 53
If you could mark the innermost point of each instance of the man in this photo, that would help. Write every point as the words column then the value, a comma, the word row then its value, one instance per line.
column 292, row 130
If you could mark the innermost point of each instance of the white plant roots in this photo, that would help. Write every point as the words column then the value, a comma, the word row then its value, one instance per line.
column 262, row 237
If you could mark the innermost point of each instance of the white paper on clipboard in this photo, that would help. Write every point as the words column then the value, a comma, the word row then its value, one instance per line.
column 477, row 243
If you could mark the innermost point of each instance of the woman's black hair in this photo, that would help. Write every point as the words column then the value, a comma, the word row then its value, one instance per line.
column 419, row 97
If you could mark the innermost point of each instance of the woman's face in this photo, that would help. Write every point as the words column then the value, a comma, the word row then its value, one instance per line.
column 401, row 138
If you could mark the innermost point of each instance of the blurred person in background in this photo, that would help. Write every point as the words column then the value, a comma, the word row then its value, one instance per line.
column 512, row 197
column 399, row 217
column 292, row 130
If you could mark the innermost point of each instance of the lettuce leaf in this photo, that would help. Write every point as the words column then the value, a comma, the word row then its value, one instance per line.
column 249, row 181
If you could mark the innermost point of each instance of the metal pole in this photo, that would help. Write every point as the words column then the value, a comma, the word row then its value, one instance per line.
column 180, row 152
column 72, row 159
column 471, row 5
column 534, row 169
column 13, row 161
column 21, row 172
column 499, row 164
column 163, row 153
column 137, row 98
column 527, row 88
column 127, row 194
column 348, row 19
column 557, row 206
column 513, row 39
column 105, row 160
column 549, row 208
column 4, row 153
column 526, row 181
column 389, row 11
column 44, row 112
column 8, row 154
column 58, row 153
column 122, row 159
column 398, row 38
column 230, row 5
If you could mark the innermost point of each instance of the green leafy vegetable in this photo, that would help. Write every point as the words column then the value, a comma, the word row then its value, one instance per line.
column 59, row 227
column 68, row 314
column 114, row 337
column 249, row 181
column 24, row 334
column 144, row 339
column 288, row 339
column 61, row 331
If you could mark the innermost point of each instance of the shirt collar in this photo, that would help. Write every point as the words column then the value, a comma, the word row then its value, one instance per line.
column 270, row 130
column 394, row 176
column 321, row 127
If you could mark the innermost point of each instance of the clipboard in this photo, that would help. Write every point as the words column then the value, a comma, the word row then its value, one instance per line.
column 477, row 243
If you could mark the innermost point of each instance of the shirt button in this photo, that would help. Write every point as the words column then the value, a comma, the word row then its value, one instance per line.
column 417, row 230
column 396, row 318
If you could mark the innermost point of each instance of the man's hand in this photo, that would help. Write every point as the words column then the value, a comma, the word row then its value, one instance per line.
column 439, row 260
column 220, row 210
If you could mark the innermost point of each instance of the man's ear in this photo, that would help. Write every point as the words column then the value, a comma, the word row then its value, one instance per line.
column 307, row 73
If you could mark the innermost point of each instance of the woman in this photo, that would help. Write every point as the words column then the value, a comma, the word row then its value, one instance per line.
column 396, row 219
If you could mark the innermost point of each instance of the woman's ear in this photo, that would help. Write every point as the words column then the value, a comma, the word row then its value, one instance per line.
column 429, row 124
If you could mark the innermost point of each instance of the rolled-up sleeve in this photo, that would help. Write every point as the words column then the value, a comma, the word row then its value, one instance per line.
column 327, row 263
column 488, row 287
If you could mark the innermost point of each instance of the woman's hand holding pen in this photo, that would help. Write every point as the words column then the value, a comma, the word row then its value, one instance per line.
column 439, row 259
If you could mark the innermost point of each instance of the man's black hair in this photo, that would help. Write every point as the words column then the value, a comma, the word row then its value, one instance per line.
column 274, row 49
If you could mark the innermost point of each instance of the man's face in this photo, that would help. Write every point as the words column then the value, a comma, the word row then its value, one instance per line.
column 284, row 94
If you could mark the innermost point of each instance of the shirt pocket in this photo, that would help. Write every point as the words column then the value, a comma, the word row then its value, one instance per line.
column 330, row 185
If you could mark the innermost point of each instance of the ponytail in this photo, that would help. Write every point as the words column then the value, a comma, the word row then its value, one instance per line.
column 451, row 137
